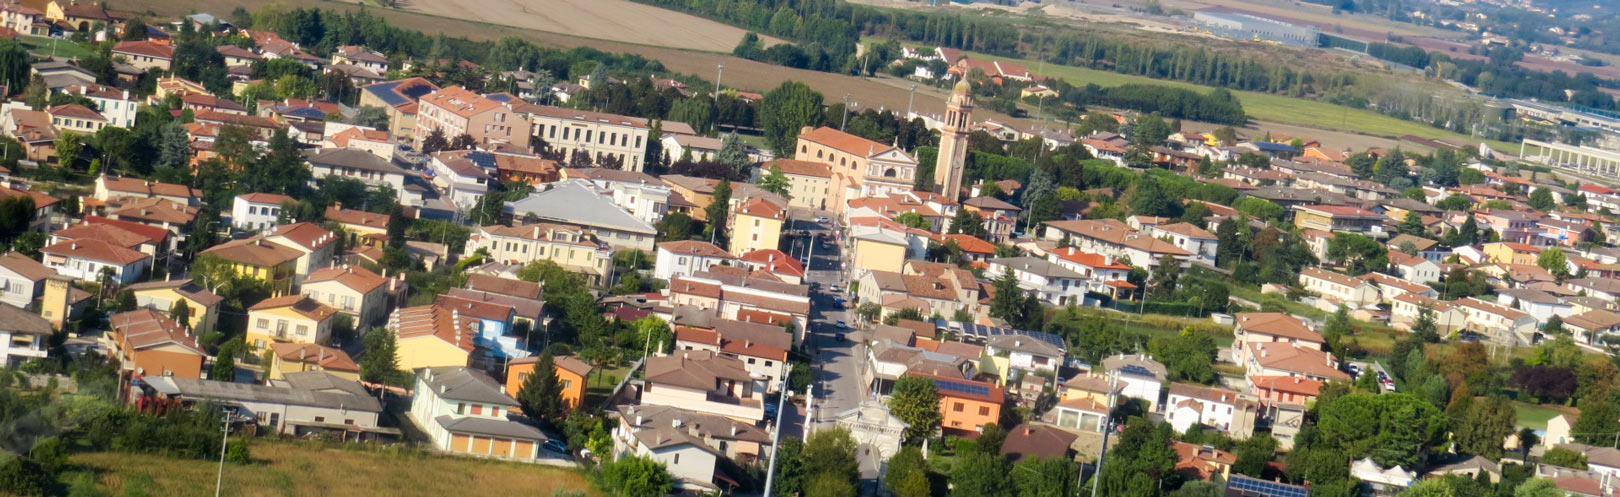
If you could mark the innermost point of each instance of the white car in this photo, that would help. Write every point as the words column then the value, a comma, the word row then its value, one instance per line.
column 819, row 220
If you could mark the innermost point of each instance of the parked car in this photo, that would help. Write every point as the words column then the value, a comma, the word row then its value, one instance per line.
column 555, row 445
column 819, row 219
column 770, row 410
column 841, row 325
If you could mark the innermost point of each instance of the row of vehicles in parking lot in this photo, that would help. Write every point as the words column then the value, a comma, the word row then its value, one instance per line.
column 1384, row 381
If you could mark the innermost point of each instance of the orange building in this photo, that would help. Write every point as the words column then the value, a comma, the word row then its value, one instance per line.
column 966, row 405
column 147, row 343
column 571, row 374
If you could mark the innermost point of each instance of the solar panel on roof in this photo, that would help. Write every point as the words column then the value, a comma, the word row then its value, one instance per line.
column 963, row 388
column 415, row 92
column 482, row 159
column 1267, row 488
column 1136, row 370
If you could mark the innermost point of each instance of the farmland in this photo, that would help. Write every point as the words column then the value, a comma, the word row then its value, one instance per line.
column 618, row 20
column 296, row 469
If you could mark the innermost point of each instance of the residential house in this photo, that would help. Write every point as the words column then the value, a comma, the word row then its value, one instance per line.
column 1188, row 237
column 257, row 211
column 1499, row 323
column 1137, row 377
column 1511, row 253
column 1390, row 287
column 1338, row 287
column 1082, row 414
column 1031, row 441
column 573, row 248
column 463, row 411
column 455, row 111
column 1049, row 281
column 775, row 262
column 1405, row 309
column 999, row 217
column 343, row 135
column 290, row 318
column 1603, row 288
column 293, row 358
column 146, row 55
column 352, row 290
column 1225, row 410
column 763, row 348
column 1102, row 275
column 260, row 258
column 689, row 444
column 809, row 183
column 1203, row 462
column 145, row 342
column 1337, row 218
column 202, row 305
column 734, row 293
column 357, row 223
column 571, row 372
column 1116, row 240
column 1290, row 359
column 643, row 196
column 299, row 404
column 697, row 148
column 109, row 187
column 316, row 245
column 965, row 406
column 945, row 294
column 22, row 279
column 1589, row 327
column 756, row 224
column 1414, row 269
column 23, row 336
column 705, row 382
column 400, row 100
column 86, row 259
column 432, row 336
column 357, row 164
column 114, row 105
column 360, row 56
column 1539, row 304
column 24, row 20
column 1512, row 226
column 686, row 257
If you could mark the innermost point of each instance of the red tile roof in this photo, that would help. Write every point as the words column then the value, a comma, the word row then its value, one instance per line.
column 845, row 142
column 144, row 48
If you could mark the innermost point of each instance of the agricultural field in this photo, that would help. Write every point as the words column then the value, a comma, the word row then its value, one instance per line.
column 617, row 20
column 295, row 469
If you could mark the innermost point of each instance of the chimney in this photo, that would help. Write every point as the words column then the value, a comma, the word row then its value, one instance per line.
column 640, row 419
column 676, row 422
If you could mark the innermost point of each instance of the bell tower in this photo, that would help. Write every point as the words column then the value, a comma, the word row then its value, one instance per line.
column 953, row 136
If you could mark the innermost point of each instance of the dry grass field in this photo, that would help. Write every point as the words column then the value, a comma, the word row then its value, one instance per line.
column 617, row 20
column 285, row 470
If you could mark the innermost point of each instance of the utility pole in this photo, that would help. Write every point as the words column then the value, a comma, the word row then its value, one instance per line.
column 225, row 423
column 912, row 97
column 776, row 438
column 1108, row 428
column 809, row 408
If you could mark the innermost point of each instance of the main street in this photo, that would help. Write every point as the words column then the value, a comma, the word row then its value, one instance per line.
column 836, row 362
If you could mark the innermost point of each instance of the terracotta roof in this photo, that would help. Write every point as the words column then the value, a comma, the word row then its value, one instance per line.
column 235, row 51
column 1088, row 259
column 1491, row 307
column 300, row 304
column 254, row 252
column 75, row 111
column 356, row 217
column 1027, row 440
column 1293, row 358
column 990, row 203
column 564, row 362
column 476, row 308
column 799, row 167
column 760, row 207
column 1288, row 384
column 1333, row 277
column 971, row 244
column 1276, row 324
column 695, row 248
column 152, row 233
column 143, row 188
column 96, row 250
column 211, row 102
column 845, row 142
column 1115, row 232
column 326, row 358
column 25, row 266
column 460, row 101
column 1595, row 319
column 144, row 48
column 587, row 116
column 184, row 287
column 146, row 328
column 1188, row 230
column 309, row 235
column 1083, row 404
column 775, row 261
column 503, row 286
column 434, row 321
column 695, row 369
column 1391, row 281
column 265, row 198
column 235, row 119
column 104, row 232
column 156, row 210
column 357, row 278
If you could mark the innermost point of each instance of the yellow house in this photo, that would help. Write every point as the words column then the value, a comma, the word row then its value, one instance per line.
column 879, row 251
column 79, row 16
column 431, row 336
column 809, row 183
column 288, row 319
column 352, row 290
column 568, row 246
column 1511, row 253
column 357, row 223
column 756, row 225
column 261, row 259
column 161, row 296
column 1086, row 386
column 299, row 357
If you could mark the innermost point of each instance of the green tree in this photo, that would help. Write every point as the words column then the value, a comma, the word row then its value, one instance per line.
column 1358, row 254
column 1338, row 327
column 1413, row 224
column 916, row 401
column 980, row 474
column 1562, row 457
column 1044, row 477
column 1542, row 200
column 225, row 360
column 831, row 452
column 1008, row 303
column 1425, row 328
column 1394, row 429
column 14, row 65
column 635, row 476
column 902, row 466
column 967, row 223
column 1254, row 453
column 540, row 397
column 732, row 153
column 784, row 111
column 1163, row 282
column 718, row 210
column 913, row 220
column 1538, row 487
column 180, row 312
column 380, row 364
column 776, row 182
column 1553, row 260
column 828, row 485
column 1485, row 424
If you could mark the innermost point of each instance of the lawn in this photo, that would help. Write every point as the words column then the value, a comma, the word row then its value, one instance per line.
column 298, row 469
column 1533, row 416
column 1264, row 106
column 47, row 46
column 601, row 383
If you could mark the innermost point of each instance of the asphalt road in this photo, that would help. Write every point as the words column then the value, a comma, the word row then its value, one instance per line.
column 836, row 363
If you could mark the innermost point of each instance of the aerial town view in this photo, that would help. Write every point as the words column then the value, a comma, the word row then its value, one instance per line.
column 810, row 248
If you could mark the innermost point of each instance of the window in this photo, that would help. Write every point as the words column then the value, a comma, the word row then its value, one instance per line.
column 478, row 410
column 677, row 459
column 263, row 324
column 320, row 419
column 750, row 360
column 303, row 330
column 461, row 408
column 984, row 410
column 958, row 407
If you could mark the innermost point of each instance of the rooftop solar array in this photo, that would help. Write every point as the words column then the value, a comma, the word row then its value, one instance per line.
column 1251, row 486
column 482, row 159
column 963, row 388
column 982, row 332
column 385, row 91
column 1136, row 370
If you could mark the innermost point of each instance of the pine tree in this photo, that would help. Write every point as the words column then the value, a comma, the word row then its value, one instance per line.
column 541, row 394
column 1008, row 302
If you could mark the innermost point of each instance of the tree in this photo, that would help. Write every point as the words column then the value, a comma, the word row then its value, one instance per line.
column 1425, row 328
column 1542, row 199
column 831, row 452
column 1394, row 429
column 68, row 146
column 180, row 312
column 635, row 476
column 784, row 111
column 902, row 466
column 913, row 220
column 916, row 401
column 980, row 474
column 1358, row 254
column 1044, row 477
column 225, row 360
column 719, row 209
column 540, row 397
column 14, row 65
column 370, row 116
column 1413, row 224
column 1254, row 453
column 380, row 363
column 435, row 142
column 732, row 153
column 1538, row 487
column 1564, row 458
column 1163, row 283
column 1553, row 260
column 967, row 223
column 1548, row 383
column 1484, row 425
column 1008, row 301
column 828, row 485
column 776, row 182
column 1455, row 202
column 1338, row 327
column 991, row 436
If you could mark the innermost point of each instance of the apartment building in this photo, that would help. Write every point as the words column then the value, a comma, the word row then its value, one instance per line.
column 706, row 382
column 571, row 247
column 1337, row 218
column 1116, row 240
column 1341, row 288
column 456, row 111
column 605, row 138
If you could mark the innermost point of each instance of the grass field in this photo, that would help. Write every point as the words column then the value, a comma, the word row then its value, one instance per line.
column 284, row 469
column 1533, row 416
column 1264, row 106
column 46, row 46
column 619, row 20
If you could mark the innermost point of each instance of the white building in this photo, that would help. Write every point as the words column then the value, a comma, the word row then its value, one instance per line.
column 704, row 382
column 358, row 164
column 1052, row 283
column 578, row 203
column 1139, row 377
column 21, row 279
column 1116, row 240
column 687, row 257
column 1342, row 289
column 1216, row 408
column 460, row 177
column 643, row 196
column 463, row 411
column 1188, row 237
column 112, row 103
column 687, row 443
column 84, row 259
column 23, row 335
column 257, row 211
column 599, row 135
